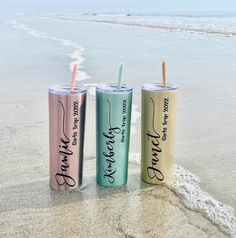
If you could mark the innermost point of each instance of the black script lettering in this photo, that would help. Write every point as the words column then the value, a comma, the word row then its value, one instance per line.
column 155, row 173
column 65, row 179
column 153, row 137
column 109, row 169
column 65, row 154
column 108, row 174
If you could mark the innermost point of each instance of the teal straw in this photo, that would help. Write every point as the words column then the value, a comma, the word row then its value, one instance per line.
column 120, row 76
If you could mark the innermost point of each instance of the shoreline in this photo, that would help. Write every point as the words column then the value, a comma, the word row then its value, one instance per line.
column 76, row 55
column 187, row 187
column 181, row 190
column 152, row 25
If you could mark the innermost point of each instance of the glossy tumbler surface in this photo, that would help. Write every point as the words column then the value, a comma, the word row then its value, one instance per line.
column 113, row 116
column 66, row 136
column 157, row 132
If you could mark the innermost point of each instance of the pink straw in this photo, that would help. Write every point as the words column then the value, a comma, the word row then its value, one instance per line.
column 73, row 77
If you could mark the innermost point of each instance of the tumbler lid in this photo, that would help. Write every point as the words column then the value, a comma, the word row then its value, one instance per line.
column 65, row 89
column 113, row 88
column 158, row 87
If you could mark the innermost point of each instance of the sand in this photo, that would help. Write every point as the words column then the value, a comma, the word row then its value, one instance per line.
column 28, row 208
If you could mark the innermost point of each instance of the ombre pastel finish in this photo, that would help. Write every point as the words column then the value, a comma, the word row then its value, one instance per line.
column 66, row 136
column 157, row 132
column 113, row 116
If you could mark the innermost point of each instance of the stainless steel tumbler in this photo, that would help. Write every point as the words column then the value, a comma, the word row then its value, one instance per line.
column 158, row 132
column 113, row 116
column 66, row 136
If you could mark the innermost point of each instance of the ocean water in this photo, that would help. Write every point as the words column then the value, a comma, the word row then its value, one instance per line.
column 208, row 24
column 200, row 51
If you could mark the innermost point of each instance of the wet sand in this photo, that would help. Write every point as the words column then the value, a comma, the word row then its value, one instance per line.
column 28, row 208
column 136, row 210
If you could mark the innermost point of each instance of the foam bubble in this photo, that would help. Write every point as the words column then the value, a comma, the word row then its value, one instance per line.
column 67, row 42
column 78, row 59
column 186, row 186
column 135, row 158
column 134, row 118
column 91, row 88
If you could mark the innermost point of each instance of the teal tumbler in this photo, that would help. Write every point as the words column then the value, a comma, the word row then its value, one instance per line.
column 113, row 116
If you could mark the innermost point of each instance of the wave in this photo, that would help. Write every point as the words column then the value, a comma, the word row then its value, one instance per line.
column 76, row 55
column 198, row 25
column 186, row 14
column 186, row 186
column 170, row 28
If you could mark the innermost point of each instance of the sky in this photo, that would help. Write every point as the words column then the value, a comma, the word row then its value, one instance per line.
column 115, row 5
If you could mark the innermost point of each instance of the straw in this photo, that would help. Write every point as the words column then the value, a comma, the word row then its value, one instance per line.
column 73, row 77
column 164, row 80
column 120, row 76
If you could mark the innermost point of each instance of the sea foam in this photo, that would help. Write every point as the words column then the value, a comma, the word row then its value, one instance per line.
column 134, row 118
column 223, row 26
column 186, row 186
column 76, row 55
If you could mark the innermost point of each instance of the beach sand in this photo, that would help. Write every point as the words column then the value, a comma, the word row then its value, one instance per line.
column 29, row 208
